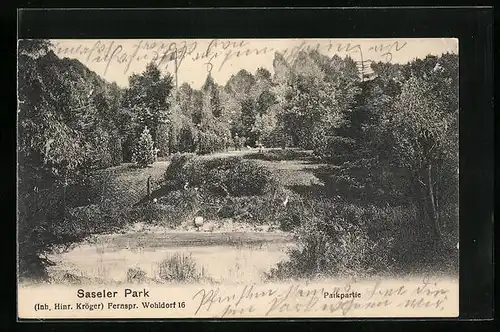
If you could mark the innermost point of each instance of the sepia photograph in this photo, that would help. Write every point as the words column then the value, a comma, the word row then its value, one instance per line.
column 238, row 178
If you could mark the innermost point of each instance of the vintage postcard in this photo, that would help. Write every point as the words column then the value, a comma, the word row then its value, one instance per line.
column 238, row 178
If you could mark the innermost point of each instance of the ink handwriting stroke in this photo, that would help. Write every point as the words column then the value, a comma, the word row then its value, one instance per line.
column 296, row 299
column 214, row 54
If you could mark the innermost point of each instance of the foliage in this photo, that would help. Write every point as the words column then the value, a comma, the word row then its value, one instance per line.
column 222, row 176
column 408, row 114
column 281, row 154
column 173, row 209
column 180, row 267
column 360, row 241
column 136, row 275
column 313, row 99
column 425, row 130
column 337, row 242
column 70, row 130
column 404, row 115
column 67, row 127
column 211, row 89
column 146, row 102
column 145, row 151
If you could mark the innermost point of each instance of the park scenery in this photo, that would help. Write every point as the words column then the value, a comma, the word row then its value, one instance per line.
column 308, row 166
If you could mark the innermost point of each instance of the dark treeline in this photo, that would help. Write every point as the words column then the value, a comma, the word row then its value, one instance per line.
column 389, row 139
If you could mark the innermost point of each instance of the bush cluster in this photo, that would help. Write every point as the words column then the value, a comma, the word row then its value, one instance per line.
column 170, row 210
column 209, row 143
column 180, row 267
column 218, row 188
column 220, row 176
column 340, row 242
column 281, row 154
column 346, row 240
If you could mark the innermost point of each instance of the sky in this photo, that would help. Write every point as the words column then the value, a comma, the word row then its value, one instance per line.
column 192, row 59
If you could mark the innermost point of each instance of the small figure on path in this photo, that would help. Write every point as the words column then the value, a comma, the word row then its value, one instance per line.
column 237, row 142
column 260, row 146
column 226, row 143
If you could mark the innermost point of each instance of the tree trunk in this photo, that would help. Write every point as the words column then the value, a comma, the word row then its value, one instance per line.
column 431, row 202
column 426, row 203
column 422, row 215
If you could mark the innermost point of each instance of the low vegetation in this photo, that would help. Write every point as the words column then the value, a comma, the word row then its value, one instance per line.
column 356, row 241
column 219, row 188
column 180, row 267
column 281, row 154
column 227, row 176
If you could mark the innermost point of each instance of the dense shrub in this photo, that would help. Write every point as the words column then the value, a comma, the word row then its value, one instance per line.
column 265, row 209
column 275, row 139
column 281, row 154
column 221, row 176
column 177, row 162
column 180, row 206
column 180, row 267
column 292, row 216
column 39, row 217
column 85, row 219
column 345, row 240
column 170, row 210
column 219, row 188
column 136, row 275
column 366, row 181
column 210, row 142
column 333, row 248
column 57, row 216
column 334, row 148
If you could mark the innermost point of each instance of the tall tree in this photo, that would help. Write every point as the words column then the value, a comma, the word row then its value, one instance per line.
column 425, row 129
column 67, row 125
column 312, row 105
column 212, row 91
column 148, row 99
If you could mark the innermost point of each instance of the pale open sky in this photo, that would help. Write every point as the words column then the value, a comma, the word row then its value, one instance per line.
column 116, row 60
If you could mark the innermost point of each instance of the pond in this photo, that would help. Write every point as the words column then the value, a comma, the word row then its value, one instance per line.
column 224, row 257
